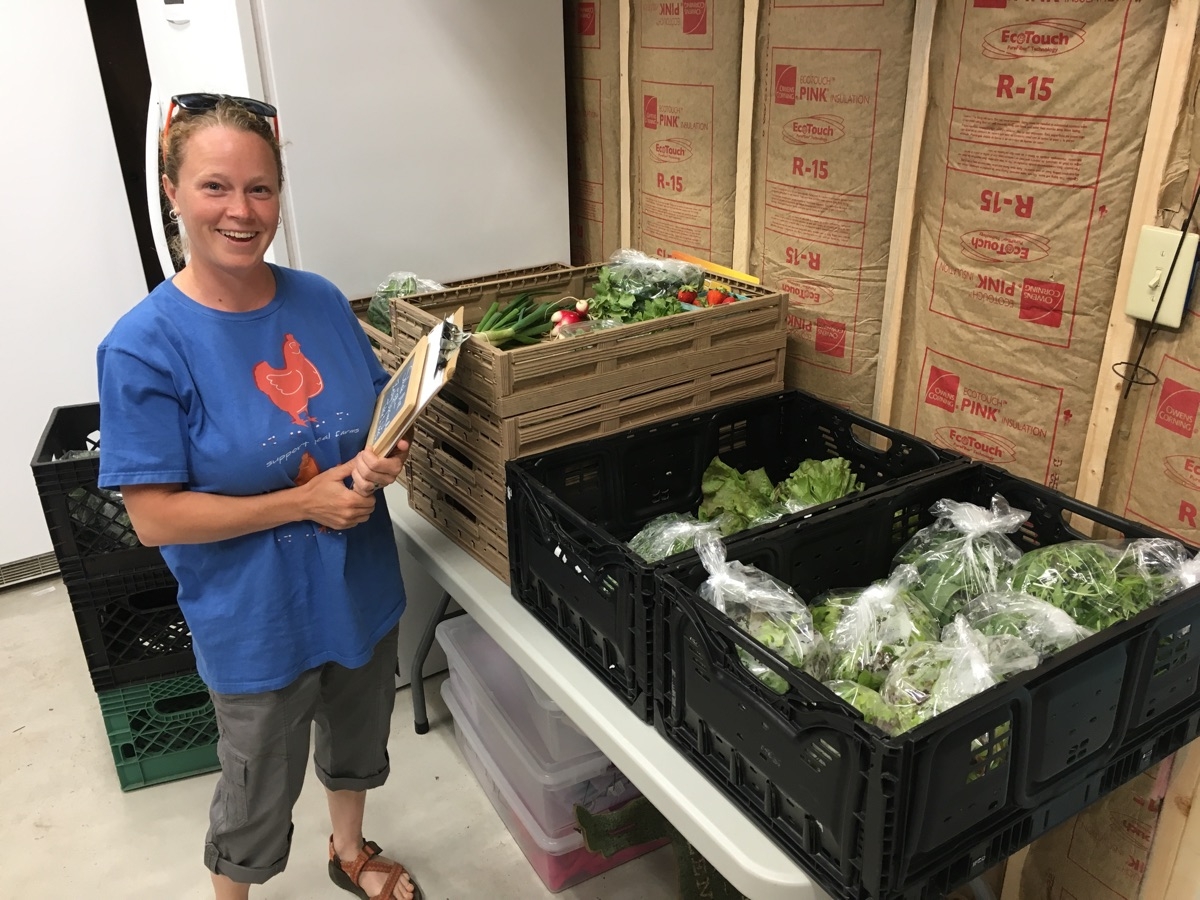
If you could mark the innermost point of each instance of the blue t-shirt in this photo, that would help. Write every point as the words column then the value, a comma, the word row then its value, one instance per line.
column 243, row 404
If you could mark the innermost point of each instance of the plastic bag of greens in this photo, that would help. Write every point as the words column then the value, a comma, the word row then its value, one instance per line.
column 816, row 481
column 1098, row 583
column 398, row 284
column 929, row 678
column 650, row 276
column 869, row 627
column 911, row 679
column 766, row 609
column 1045, row 628
column 965, row 553
column 1165, row 563
column 669, row 534
column 736, row 500
column 634, row 287
column 869, row 703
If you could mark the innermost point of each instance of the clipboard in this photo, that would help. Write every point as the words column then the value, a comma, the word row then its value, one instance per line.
column 423, row 373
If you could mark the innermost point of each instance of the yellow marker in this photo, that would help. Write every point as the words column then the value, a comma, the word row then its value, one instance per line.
column 714, row 268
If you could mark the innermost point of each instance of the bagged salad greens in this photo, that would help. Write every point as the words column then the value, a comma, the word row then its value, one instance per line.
column 929, row 678
column 1166, row 563
column 398, row 284
column 767, row 610
column 669, row 534
column 869, row 703
column 868, row 628
column 1045, row 628
column 965, row 553
column 634, row 287
column 1097, row 583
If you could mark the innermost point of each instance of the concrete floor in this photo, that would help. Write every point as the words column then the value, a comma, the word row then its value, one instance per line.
column 69, row 830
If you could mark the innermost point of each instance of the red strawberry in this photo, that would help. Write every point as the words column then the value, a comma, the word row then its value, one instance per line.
column 715, row 297
column 687, row 296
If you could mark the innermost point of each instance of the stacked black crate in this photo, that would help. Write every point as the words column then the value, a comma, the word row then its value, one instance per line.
column 124, row 599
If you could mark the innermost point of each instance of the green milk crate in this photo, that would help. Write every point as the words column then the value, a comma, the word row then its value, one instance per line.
column 160, row 731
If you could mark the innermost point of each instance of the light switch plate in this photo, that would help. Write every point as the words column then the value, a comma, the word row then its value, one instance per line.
column 1156, row 249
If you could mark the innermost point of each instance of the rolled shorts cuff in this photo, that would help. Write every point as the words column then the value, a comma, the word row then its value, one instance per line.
column 241, row 874
column 352, row 784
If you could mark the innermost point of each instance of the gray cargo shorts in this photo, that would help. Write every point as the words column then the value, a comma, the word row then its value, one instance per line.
column 263, row 750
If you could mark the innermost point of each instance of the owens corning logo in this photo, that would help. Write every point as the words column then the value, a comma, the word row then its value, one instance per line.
column 1177, row 407
column 942, row 389
column 814, row 129
column 806, row 293
column 1040, row 39
column 1004, row 246
column 1042, row 302
column 671, row 150
column 650, row 112
column 695, row 16
column 585, row 20
column 831, row 338
column 1184, row 470
column 785, row 85
column 976, row 444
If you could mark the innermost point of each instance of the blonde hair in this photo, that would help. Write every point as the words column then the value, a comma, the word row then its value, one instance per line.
column 227, row 112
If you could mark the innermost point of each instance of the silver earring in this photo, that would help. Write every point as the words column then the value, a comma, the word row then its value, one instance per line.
column 173, row 215
column 280, row 222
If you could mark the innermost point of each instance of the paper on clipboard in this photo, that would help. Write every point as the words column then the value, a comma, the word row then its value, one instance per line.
column 423, row 373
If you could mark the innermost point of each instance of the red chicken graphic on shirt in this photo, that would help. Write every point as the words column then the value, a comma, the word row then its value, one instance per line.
column 291, row 387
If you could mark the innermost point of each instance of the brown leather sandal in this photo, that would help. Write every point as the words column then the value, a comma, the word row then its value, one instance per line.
column 346, row 875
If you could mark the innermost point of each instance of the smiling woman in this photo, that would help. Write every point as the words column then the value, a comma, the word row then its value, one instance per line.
column 234, row 402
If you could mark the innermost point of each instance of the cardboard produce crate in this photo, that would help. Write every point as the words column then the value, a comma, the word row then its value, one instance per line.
column 616, row 363
column 505, row 404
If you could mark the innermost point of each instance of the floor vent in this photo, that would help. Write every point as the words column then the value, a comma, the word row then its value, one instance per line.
column 27, row 569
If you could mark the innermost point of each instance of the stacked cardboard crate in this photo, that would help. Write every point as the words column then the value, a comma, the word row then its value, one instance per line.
column 504, row 404
column 138, row 649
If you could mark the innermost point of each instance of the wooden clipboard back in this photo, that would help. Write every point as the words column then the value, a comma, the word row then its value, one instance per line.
column 418, row 380
column 397, row 401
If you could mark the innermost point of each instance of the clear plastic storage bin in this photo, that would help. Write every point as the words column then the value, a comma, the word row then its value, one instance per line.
column 481, row 673
column 561, row 859
column 467, row 645
column 562, row 738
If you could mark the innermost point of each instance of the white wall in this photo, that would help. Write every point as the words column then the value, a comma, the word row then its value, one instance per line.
column 424, row 136
column 69, row 263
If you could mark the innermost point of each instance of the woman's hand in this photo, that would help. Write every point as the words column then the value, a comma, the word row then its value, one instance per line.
column 332, row 504
column 372, row 472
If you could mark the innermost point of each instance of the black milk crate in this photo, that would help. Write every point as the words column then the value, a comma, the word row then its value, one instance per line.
column 872, row 816
column 571, row 512
column 131, row 627
column 87, row 526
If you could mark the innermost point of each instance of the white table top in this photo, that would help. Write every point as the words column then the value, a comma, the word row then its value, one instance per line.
column 702, row 814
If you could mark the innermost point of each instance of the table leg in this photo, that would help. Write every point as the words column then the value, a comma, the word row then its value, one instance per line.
column 420, row 717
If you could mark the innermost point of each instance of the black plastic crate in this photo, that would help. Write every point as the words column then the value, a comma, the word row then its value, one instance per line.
column 912, row 816
column 88, row 527
column 571, row 511
column 131, row 627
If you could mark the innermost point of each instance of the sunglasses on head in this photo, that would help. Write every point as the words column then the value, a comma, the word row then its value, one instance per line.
column 202, row 102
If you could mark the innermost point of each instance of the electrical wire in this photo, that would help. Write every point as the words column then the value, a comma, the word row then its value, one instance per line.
column 1136, row 366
